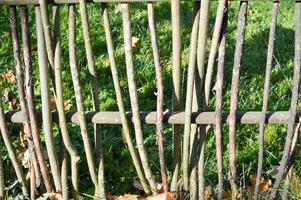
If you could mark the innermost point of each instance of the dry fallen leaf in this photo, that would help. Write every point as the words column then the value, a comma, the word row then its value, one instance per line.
column 67, row 104
column 53, row 196
column 135, row 41
column 227, row 195
column 208, row 193
column 264, row 186
column 9, row 76
column 162, row 196
column 123, row 197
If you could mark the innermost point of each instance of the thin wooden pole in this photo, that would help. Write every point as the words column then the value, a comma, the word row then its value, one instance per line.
column 202, row 37
column 133, row 94
column 47, row 33
column 64, row 171
column 195, row 136
column 219, row 106
column 214, row 47
column 293, row 155
column 20, row 82
column 33, row 182
column 194, row 147
column 201, row 57
column 176, row 81
column 11, row 153
column 160, row 93
column 60, row 99
column 189, row 97
column 266, row 91
column 2, row 184
column 293, row 108
column 124, row 122
column 234, row 92
column 79, row 98
column 91, row 66
column 47, row 119
column 95, row 96
column 30, row 101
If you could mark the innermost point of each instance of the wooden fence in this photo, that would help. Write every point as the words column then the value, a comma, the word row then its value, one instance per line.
column 188, row 150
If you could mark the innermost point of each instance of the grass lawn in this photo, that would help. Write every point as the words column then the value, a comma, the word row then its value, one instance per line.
column 120, row 172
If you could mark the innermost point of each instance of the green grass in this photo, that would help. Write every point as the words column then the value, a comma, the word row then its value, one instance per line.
column 119, row 170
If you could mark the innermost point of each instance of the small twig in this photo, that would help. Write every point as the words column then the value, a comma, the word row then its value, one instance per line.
column 11, row 153
column 189, row 97
column 30, row 101
column 133, row 95
column 176, row 90
column 47, row 119
column 124, row 121
column 293, row 107
column 242, row 17
column 100, row 192
column 60, row 99
column 266, row 95
column 219, row 106
column 159, row 76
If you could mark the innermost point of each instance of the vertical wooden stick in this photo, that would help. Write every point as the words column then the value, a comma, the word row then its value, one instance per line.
column 202, row 37
column 64, row 170
column 32, row 182
column 47, row 120
column 60, row 98
column 47, row 32
column 176, row 80
column 219, row 105
column 79, row 98
column 2, row 184
column 125, row 125
column 11, row 153
column 201, row 57
column 234, row 92
column 95, row 94
column 194, row 137
column 189, row 97
column 293, row 155
column 214, row 47
column 294, row 100
column 266, row 91
column 159, row 77
column 133, row 94
column 92, row 69
column 30, row 100
column 20, row 82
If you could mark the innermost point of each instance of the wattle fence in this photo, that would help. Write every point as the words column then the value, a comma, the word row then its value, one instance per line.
column 189, row 126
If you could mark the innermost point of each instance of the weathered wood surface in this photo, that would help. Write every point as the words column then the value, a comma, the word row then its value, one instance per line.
column 108, row 117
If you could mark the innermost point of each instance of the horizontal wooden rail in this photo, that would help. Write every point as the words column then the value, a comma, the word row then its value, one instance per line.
column 36, row 2
column 249, row 117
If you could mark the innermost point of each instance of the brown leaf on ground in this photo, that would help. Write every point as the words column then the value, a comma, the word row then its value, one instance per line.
column 162, row 196
column 208, row 193
column 227, row 195
column 123, row 197
column 67, row 104
column 264, row 186
column 9, row 76
column 53, row 196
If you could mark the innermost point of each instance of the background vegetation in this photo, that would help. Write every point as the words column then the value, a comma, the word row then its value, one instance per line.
column 119, row 170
